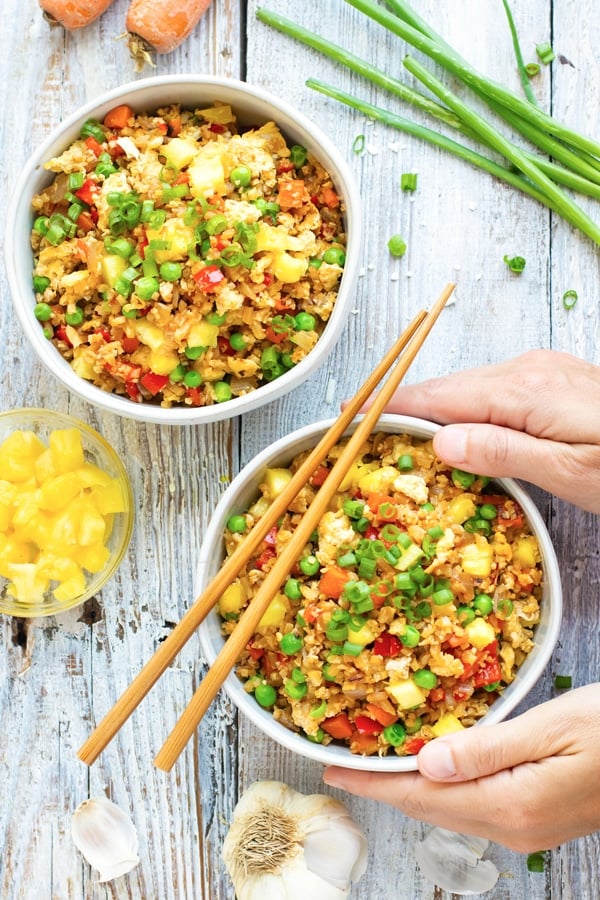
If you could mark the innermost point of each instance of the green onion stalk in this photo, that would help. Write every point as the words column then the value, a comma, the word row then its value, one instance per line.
column 581, row 167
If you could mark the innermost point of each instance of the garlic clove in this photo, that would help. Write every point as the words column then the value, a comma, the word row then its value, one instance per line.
column 105, row 836
column 453, row 862
column 337, row 852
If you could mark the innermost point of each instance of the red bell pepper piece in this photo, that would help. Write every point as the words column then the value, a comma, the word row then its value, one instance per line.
column 413, row 745
column 129, row 344
column 208, row 278
column 224, row 346
column 381, row 715
column 267, row 554
column 387, row 645
column 318, row 476
column 153, row 382
column 92, row 144
column 133, row 391
column 365, row 725
column 255, row 652
column 338, row 726
column 88, row 192
column 195, row 396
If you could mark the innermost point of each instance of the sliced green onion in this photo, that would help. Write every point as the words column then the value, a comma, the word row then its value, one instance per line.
column 516, row 264
column 563, row 682
column 358, row 145
column 408, row 181
column 298, row 155
column 350, row 649
column 545, row 53
column 535, row 862
column 569, row 299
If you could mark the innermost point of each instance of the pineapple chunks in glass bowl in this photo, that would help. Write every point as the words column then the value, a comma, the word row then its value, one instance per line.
column 66, row 512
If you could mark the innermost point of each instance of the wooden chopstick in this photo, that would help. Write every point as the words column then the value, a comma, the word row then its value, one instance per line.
column 252, row 615
column 168, row 649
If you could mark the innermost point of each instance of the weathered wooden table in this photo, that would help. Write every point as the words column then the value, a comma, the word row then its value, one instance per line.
column 60, row 675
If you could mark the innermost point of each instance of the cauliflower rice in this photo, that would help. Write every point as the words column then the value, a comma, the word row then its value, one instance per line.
column 411, row 609
column 180, row 261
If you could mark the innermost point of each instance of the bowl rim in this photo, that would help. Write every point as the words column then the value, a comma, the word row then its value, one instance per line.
column 98, row 579
column 531, row 670
column 145, row 412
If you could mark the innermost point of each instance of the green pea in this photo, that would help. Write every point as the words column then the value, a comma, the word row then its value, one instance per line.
column 292, row 590
column 177, row 374
column 241, row 176
column 462, row 479
column 170, row 271
column 222, row 391
column 238, row 341
column 192, row 379
column 405, row 462
column 42, row 312
column 295, row 691
column 290, row 643
column 334, row 256
column 215, row 318
column 416, row 725
column 425, row 678
column 488, row 511
column 465, row 614
column 397, row 245
column 483, row 604
column 74, row 318
column 304, row 322
column 194, row 352
column 410, row 637
column 237, row 524
column 309, row 565
column 146, row 287
column 395, row 734
column 40, row 283
column 265, row 694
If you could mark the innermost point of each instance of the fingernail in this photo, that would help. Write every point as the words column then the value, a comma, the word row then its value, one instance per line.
column 333, row 778
column 436, row 760
column 451, row 444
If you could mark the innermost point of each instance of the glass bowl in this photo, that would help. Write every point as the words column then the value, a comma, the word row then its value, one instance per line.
column 66, row 512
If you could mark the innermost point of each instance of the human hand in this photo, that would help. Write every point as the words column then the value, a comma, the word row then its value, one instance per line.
column 530, row 783
column 534, row 417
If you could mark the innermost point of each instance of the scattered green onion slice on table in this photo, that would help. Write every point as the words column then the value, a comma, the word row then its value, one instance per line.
column 569, row 299
column 516, row 264
column 408, row 181
column 397, row 245
column 545, row 53
column 563, row 682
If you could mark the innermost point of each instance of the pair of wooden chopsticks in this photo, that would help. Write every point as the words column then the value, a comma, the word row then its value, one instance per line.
column 418, row 329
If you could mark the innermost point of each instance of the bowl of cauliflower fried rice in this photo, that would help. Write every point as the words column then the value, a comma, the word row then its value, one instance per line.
column 184, row 249
column 428, row 599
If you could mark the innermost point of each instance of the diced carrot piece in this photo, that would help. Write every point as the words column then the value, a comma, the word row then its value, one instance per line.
column 333, row 580
column 338, row 727
column 292, row 193
column 381, row 715
column 118, row 117
column 330, row 198
column 364, row 744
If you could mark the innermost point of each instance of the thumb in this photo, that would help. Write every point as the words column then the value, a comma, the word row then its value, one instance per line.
column 496, row 451
column 484, row 750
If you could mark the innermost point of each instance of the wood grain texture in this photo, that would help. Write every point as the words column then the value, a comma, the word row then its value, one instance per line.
column 60, row 675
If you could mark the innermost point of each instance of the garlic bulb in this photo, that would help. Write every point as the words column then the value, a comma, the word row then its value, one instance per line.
column 283, row 845
column 453, row 862
column 106, row 837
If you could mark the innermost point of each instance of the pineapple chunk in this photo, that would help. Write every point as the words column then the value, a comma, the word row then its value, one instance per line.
column 83, row 364
column 232, row 599
column 44, row 467
column 70, row 589
column 66, row 449
column 461, row 509
column 364, row 635
column 93, row 558
column 110, row 499
column 162, row 362
column 112, row 267
column 477, row 558
column 406, row 694
column 203, row 334
column 409, row 558
column 480, row 633
column 179, row 152
column 149, row 334
column 223, row 114
column 27, row 584
column 18, row 453
column 446, row 724
column 274, row 482
column 207, row 173
column 378, row 481
column 8, row 497
column 178, row 236
column 57, row 492
column 526, row 552
column 276, row 238
column 288, row 269
column 355, row 473
column 275, row 613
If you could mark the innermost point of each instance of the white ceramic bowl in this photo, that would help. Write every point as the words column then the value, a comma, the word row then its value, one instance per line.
column 253, row 106
column 241, row 494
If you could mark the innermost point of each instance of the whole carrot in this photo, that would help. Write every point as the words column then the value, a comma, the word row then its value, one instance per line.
column 162, row 25
column 72, row 14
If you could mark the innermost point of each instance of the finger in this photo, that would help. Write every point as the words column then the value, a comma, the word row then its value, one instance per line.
column 561, row 469
column 537, row 392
